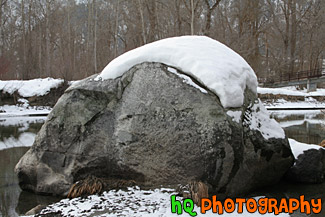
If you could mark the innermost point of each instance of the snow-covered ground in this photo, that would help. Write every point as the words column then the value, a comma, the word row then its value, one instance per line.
column 136, row 203
column 23, row 110
column 28, row 88
column 290, row 91
column 308, row 103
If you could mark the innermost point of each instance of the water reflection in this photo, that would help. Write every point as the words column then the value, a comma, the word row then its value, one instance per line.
column 307, row 128
column 9, row 189
column 15, row 134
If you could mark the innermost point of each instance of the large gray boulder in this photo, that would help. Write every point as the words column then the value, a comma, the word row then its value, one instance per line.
column 152, row 127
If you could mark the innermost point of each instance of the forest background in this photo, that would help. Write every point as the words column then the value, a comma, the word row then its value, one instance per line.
column 73, row 39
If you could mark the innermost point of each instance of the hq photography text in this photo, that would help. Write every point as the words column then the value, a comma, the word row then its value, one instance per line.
column 261, row 205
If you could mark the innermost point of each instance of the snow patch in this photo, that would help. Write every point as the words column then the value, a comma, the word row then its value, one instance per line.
column 186, row 79
column 308, row 114
column 210, row 62
column 23, row 122
column 298, row 148
column 309, row 103
column 29, row 88
column 236, row 115
column 23, row 110
column 259, row 119
column 133, row 202
column 290, row 91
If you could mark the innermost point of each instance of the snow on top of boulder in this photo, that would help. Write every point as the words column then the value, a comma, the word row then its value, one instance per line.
column 28, row 88
column 186, row 79
column 210, row 62
column 298, row 148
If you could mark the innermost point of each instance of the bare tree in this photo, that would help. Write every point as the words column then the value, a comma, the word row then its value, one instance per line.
column 210, row 9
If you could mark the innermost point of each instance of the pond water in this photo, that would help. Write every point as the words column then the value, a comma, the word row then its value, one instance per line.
column 19, row 132
column 15, row 134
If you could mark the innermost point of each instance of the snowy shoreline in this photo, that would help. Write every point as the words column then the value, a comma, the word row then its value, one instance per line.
column 23, row 110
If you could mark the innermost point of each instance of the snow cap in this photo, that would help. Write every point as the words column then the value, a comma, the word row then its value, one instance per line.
column 211, row 63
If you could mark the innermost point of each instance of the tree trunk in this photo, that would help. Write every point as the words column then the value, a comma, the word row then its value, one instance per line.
column 293, row 34
column 209, row 16
column 47, row 39
column 286, row 34
column 23, row 71
column 95, row 37
column 40, row 41
column 89, row 30
column 142, row 22
column 116, row 29
column 1, row 40
column 192, row 17
column 178, row 14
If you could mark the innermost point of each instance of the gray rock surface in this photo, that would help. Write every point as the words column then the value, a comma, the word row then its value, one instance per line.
column 309, row 167
column 151, row 127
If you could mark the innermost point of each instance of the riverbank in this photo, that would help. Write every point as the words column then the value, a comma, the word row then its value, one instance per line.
column 38, row 96
column 291, row 98
column 41, row 92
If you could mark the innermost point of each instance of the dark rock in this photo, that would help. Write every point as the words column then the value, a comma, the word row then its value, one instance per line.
column 151, row 127
column 309, row 167
column 36, row 210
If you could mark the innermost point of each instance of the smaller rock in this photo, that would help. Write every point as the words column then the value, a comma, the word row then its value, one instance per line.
column 309, row 167
column 37, row 209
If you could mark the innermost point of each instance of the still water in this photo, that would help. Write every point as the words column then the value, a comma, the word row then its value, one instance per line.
column 15, row 134
column 18, row 132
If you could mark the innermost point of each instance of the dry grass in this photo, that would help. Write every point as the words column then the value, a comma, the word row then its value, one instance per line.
column 322, row 144
column 93, row 185
column 90, row 185
column 195, row 190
